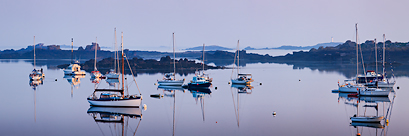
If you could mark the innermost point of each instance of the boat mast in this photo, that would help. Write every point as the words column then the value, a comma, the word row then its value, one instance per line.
column 238, row 57
column 383, row 58
column 116, row 54
column 203, row 56
column 357, row 60
column 34, row 45
column 72, row 49
column 95, row 60
column 123, row 64
column 174, row 57
column 376, row 61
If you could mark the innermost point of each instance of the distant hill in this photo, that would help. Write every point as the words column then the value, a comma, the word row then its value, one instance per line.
column 209, row 48
column 290, row 47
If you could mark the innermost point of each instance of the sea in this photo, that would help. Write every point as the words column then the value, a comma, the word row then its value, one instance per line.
column 283, row 100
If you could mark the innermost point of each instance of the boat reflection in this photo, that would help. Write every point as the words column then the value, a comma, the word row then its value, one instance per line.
column 74, row 81
column 170, row 91
column 95, row 80
column 110, row 116
column 35, row 83
column 382, row 105
column 239, row 89
column 113, row 82
column 199, row 95
column 248, row 89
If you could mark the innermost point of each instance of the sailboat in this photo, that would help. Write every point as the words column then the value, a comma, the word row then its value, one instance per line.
column 241, row 78
column 168, row 80
column 74, row 68
column 95, row 73
column 372, row 76
column 374, row 91
column 383, row 82
column 114, row 74
column 200, row 80
column 348, row 86
column 36, row 74
column 115, row 97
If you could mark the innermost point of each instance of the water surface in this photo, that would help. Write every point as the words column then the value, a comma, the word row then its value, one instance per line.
column 302, row 99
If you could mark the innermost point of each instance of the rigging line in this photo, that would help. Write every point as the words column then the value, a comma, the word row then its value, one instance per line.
column 234, row 63
column 100, row 129
column 110, row 129
column 133, row 75
column 347, row 118
column 137, row 127
column 179, row 108
column 363, row 64
column 389, row 113
column 234, row 104
column 127, row 122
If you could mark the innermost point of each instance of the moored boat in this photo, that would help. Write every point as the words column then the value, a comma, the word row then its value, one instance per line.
column 374, row 92
column 36, row 74
column 167, row 79
column 241, row 78
column 199, row 82
column 115, row 97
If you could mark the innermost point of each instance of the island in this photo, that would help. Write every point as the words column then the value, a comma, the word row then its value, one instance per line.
column 139, row 65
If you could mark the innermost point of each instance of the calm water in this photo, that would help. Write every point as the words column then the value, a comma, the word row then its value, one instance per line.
column 302, row 99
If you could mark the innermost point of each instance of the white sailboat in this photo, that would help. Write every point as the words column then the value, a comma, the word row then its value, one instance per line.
column 241, row 78
column 350, row 87
column 95, row 73
column 36, row 74
column 374, row 91
column 114, row 74
column 115, row 97
column 74, row 68
column 168, row 80
column 384, row 83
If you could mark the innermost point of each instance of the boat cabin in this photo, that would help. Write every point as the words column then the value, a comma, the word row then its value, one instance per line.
column 242, row 77
column 108, row 96
column 370, row 76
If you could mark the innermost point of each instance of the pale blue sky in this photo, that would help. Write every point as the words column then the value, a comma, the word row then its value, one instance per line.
column 148, row 24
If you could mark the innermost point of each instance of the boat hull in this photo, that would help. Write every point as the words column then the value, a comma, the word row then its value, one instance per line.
column 350, row 89
column 367, row 119
column 199, row 85
column 374, row 93
column 116, row 103
column 171, row 82
column 116, row 110
column 235, row 81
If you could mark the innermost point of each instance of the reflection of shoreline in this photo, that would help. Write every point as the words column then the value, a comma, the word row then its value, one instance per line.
column 348, row 69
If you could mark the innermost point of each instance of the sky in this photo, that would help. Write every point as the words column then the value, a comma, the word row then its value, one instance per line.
column 149, row 24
